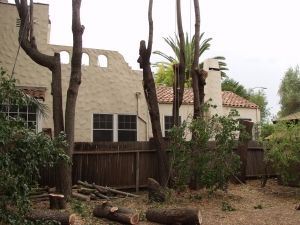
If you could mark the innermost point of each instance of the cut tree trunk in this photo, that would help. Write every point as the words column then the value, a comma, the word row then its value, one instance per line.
column 242, row 151
column 155, row 191
column 175, row 216
column 80, row 197
column 57, row 201
column 64, row 218
column 123, row 215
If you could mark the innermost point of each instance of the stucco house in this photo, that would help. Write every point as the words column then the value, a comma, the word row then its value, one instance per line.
column 111, row 105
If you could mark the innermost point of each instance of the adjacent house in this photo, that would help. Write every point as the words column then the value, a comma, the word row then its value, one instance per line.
column 110, row 105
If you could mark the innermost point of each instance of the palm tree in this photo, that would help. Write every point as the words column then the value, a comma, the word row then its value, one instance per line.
column 189, row 54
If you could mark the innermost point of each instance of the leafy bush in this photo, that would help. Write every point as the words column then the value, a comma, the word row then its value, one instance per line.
column 21, row 152
column 212, row 165
column 282, row 150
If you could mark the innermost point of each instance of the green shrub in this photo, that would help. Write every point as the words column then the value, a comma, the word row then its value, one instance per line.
column 21, row 152
column 212, row 166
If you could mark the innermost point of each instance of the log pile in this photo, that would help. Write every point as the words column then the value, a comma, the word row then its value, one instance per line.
column 86, row 192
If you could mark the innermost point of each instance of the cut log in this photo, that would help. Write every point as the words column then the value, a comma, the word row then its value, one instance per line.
column 80, row 197
column 123, row 215
column 64, row 218
column 57, row 201
column 40, row 196
column 118, row 192
column 99, row 193
column 87, row 185
column 155, row 191
column 175, row 216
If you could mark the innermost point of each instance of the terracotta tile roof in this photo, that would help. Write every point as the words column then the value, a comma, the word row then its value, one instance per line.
column 231, row 99
column 165, row 95
column 36, row 92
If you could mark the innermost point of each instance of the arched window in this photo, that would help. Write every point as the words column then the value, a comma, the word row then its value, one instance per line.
column 85, row 59
column 102, row 61
column 64, row 57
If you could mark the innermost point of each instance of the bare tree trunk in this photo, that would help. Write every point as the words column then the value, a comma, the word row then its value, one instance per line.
column 28, row 43
column 151, row 98
column 193, row 182
column 75, row 80
column 179, row 73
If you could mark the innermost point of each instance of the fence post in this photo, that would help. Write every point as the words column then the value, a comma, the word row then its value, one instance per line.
column 137, row 172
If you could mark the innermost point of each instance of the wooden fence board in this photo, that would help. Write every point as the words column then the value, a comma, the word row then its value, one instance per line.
column 129, row 164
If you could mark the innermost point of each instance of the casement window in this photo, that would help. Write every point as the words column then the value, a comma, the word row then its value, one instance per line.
column 31, row 115
column 168, row 124
column 114, row 127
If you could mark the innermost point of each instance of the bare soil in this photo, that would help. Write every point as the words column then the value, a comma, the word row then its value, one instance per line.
column 242, row 204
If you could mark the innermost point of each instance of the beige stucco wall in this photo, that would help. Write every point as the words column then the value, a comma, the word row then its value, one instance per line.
column 110, row 89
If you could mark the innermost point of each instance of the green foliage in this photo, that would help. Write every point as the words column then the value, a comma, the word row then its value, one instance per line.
column 165, row 71
column 289, row 91
column 282, row 150
column 227, row 207
column 259, row 97
column 21, row 152
column 212, row 165
column 235, row 87
column 263, row 130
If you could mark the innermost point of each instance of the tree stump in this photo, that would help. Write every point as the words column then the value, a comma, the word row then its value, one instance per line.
column 175, row 216
column 64, row 218
column 106, row 210
column 155, row 191
column 57, row 201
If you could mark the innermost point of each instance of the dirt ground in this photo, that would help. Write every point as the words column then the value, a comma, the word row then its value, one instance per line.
column 243, row 204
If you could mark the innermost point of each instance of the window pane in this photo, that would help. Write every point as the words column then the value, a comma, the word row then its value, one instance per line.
column 32, row 109
column 127, row 122
column 127, row 135
column 13, row 108
column 32, row 117
column 4, row 108
column 23, row 109
column 102, row 135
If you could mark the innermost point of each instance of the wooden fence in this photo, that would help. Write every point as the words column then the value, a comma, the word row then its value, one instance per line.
column 129, row 164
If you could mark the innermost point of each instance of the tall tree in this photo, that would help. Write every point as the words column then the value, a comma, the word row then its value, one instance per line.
column 289, row 92
column 151, row 98
column 179, row 70
column 28, row 44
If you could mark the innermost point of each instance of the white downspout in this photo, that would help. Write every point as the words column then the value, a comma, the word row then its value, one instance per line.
column 138, row 94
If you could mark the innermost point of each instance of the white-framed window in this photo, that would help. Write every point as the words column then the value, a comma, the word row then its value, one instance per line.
column 114, row 127
column 168, row 124
column 31, row 115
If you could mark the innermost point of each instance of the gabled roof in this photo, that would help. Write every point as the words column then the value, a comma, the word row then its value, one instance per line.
column 231, row 99
column 165, row 95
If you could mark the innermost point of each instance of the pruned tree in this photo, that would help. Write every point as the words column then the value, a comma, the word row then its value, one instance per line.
column 28, row 44
column 195, row 71
column 179, row 69
column 151, row 99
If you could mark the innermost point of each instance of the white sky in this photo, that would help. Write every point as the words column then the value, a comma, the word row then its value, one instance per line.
column 259, row 38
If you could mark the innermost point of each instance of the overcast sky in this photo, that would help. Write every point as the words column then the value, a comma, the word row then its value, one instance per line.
column 259, row 38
